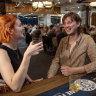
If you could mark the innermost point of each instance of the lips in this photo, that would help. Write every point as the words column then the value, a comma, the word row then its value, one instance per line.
column 67, row 29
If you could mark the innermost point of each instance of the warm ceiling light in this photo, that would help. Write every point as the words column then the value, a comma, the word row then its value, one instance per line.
column 37, row 5
column 93, row 4
column 42, row 4
column 48, row 4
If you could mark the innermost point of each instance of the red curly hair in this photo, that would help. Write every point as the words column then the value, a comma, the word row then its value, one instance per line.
column 7, row 22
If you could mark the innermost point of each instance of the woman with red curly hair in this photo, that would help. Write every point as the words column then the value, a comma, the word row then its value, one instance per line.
column 14, row 67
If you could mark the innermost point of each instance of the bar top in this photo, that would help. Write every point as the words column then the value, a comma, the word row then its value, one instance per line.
column 39, row 87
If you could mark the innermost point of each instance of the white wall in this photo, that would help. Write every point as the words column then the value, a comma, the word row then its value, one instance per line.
column 47, row 19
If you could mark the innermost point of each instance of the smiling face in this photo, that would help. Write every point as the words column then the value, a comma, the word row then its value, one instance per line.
column 71, row 26
column 19, row 28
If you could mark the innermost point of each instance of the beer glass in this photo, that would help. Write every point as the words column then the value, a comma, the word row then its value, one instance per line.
column 36, row 38
column 73, row 85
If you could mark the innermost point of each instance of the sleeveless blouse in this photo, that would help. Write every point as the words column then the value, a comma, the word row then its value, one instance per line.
column 15, row 57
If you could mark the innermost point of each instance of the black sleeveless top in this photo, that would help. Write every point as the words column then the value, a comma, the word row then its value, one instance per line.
column 15, row 57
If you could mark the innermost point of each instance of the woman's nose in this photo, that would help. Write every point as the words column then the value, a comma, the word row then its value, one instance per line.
column 23, row 28
column 66, row 25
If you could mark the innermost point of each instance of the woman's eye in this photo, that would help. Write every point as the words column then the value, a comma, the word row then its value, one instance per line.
column 20, row 25
column 68, row 23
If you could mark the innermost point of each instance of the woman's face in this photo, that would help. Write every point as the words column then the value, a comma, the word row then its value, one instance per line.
column 70, row 26
column 19, row 29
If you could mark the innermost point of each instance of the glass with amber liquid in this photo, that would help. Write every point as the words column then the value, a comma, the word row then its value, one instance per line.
column 36, row 38
column 73, row 85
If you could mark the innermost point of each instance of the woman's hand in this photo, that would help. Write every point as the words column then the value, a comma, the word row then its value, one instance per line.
column 66, row 70
column 37, row 80
column 34, row 49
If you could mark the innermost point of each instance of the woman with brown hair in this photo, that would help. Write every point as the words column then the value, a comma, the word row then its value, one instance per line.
column 74, row 49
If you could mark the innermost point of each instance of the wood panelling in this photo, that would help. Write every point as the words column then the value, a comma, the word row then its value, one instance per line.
column 28, row 9
column 10, row 7
column 2, row 8
column 93, row 19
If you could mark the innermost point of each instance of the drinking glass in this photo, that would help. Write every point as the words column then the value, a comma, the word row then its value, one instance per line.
column 73, row 85
column 36, row 40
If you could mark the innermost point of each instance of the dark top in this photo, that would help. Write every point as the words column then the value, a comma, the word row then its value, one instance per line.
column 28, row 38
column 15, row 57
column 51, row 34
column 60, row 36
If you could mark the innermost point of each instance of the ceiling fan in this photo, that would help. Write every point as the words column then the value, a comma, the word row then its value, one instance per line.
column 89, row 3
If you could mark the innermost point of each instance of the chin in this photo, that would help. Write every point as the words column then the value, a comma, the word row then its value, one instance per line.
column 21, row 37
column 68, row 33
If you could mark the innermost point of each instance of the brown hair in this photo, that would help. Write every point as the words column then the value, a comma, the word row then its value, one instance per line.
column 74, row 17
column 7, row 22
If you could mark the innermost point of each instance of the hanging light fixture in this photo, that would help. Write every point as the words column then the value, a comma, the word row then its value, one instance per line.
column 93, row 4
column 19, row 4
column 42, row 4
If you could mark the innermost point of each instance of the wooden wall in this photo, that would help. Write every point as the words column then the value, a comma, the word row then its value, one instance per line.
column 2, row 8
column 28, row 9
column 93, row 19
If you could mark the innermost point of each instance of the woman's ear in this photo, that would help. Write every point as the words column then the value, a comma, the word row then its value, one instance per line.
column 9, row 31
column 78, row 24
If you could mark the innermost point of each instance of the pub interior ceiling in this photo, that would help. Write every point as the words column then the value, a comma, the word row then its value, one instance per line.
column 59, row 2
column 67, row 5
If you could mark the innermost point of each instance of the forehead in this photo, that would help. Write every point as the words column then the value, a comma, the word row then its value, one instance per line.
column 17, row 22
column 68, row 19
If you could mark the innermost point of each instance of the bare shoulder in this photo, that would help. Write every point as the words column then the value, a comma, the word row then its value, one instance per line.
column 3, row 55
column 2, row 52
column 5, row 61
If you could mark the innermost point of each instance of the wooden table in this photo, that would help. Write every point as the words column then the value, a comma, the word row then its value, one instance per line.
column 40, row 87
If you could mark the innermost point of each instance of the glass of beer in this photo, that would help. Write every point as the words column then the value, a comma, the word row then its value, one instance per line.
column 36, row 38
column 73, row 85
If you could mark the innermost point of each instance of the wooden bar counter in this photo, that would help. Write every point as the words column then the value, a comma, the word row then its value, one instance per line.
column 42, row 86
column 39, row 87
